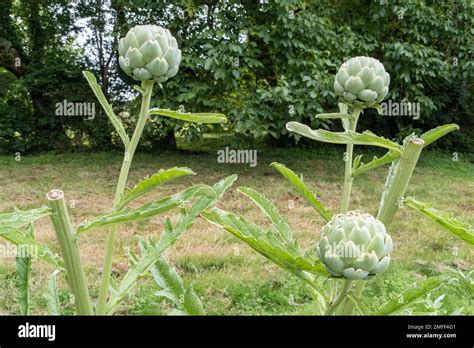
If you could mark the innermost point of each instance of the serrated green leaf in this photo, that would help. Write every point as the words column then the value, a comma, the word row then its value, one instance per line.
column 107, row 108
column 460, row 229
column 113, row 288
column 291, row 259
column 168, row 295
column 389, row 157
column 21, row 218
column 133, row 258
column 356, row 162
column 168, row 237
column 11, row 229
column 347, row 137
column 319, row 299
column 23, row 270
column 167, row 278
column 126, row 215
column 409, row 296
column 171, row 285
column 192, row 304
column 303, row 190
column 203, row 117
column 222, row 186
column 170, row 234
column 22, row 277
column 52, row 298
column 271, row 211
column 438, row 132
column 149, row 183
column 137, row 271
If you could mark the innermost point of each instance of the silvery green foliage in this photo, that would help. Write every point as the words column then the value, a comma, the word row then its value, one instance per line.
column 149, row 52
column 354, row 245
column 363, row 80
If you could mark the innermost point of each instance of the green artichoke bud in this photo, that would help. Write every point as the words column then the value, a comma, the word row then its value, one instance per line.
column 354, row 245
column 149, row 52
column 362, row 80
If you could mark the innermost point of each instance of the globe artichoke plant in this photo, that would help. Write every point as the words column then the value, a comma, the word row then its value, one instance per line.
column 149, row 52
column 354, row 245
column 362, row 80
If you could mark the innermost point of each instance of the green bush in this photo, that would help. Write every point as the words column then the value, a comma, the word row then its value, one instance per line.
column 255, row 62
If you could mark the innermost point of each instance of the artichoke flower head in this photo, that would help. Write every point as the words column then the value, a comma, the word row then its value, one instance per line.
column 149, row 52
column 354, row 245
column 362, row 80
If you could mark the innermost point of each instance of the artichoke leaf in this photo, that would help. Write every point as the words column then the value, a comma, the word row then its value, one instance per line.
column 460, row 229
column 149, row 183
column 203, row 117
column 409, row 296
column 362, row 167
column 347, row 137
column 292, row 260
column 51, row 296
column 22, row 277
column 126, row 215
column 271, row 211
column 438, row 132
column 151, row 252
column 11, row 229
column 303, row 190
column 21, row 218
column 107, row 108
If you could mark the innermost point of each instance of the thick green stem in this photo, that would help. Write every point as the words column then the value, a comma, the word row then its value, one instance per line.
column 122, row 181
column 393, row 196
column 342, row 295
column 348, row 178
column 348, row 305
column 398, row 186
column 70, row 252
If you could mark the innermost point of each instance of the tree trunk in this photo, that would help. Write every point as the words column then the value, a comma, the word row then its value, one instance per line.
column 37, row 34
column 12, row 58
column 168, row 142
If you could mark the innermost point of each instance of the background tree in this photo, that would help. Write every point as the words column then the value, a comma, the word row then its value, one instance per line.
column 262, row 63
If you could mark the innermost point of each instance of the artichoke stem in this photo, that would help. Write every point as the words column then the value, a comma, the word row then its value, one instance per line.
column 348, row 178
column 400, row 182
column 122, row 181
column 395, row 192
column 348, row 305
column 70, row 252
column 342, row 295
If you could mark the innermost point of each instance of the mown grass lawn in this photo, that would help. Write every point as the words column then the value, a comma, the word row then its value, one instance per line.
column 230, row 277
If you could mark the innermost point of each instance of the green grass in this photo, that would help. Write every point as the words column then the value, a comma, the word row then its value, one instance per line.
column 230, row 277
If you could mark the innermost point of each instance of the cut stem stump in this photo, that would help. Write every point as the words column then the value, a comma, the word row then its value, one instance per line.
column 70, row 252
